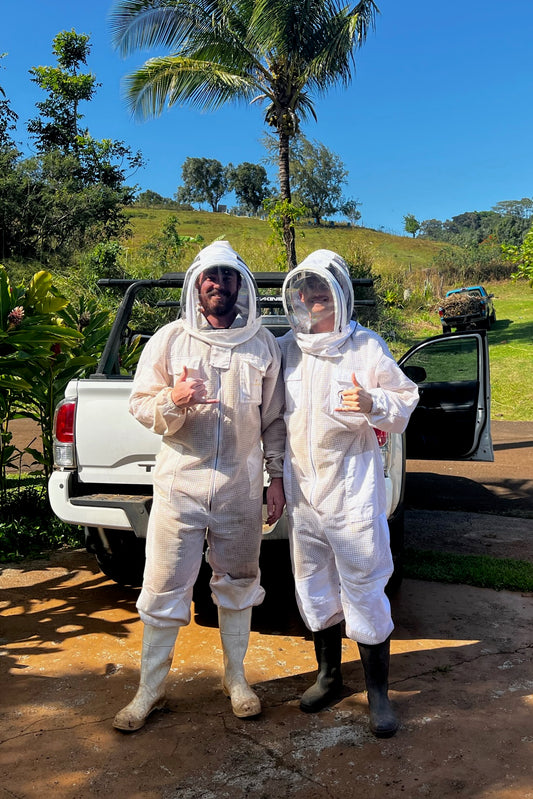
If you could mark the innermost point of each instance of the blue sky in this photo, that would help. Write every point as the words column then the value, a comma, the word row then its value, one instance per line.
column 437, row 121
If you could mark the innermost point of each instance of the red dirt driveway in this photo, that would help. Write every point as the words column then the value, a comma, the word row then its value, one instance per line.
column 461, row 681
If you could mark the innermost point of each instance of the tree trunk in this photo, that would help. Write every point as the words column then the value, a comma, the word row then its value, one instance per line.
column 289, row 236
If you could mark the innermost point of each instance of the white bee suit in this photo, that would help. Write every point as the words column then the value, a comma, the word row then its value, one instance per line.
column 333, row 474
column 209, row 471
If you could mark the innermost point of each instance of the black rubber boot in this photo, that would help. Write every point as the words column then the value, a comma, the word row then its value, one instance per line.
column 375, row 660
column 328, row 685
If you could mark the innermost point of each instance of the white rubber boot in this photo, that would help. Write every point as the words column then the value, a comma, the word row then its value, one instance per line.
column 234, row 634
column 156, row 660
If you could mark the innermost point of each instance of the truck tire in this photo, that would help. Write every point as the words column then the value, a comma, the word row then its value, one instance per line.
column 446, row 329
column 397, row 543
column 121, row 556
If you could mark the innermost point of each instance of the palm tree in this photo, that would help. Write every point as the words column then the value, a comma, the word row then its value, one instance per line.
column 281, row 52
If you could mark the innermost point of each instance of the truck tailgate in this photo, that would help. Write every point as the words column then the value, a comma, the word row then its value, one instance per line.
column 111, row 446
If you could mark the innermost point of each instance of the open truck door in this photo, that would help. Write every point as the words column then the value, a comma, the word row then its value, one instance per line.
column 452, row 419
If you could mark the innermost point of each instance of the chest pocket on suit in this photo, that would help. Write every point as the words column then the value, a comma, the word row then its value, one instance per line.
column 338, row 385
column 252, row 371
column 192, row 362
column 293, row 387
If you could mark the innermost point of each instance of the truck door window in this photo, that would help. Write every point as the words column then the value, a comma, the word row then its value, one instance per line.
column 454, row 359
column 445, row 424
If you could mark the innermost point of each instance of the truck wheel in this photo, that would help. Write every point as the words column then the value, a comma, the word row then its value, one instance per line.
column 446, row 329
column 397, row 535
column 120, row 556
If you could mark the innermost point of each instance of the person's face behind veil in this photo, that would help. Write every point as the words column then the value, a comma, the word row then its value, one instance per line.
column 318, row 299
column 218, row 289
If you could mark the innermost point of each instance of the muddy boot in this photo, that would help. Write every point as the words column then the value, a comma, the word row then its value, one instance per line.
column 375, row 660
column 328, row 685
column 234, row 635
column 156, row 660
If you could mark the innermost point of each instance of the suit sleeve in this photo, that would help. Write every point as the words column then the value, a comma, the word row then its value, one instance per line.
column 150, row 399
column 393, row 399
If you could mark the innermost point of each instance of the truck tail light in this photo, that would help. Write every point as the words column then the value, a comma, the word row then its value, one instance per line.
column 383, row 439
column 64, row 450
column 381, row 436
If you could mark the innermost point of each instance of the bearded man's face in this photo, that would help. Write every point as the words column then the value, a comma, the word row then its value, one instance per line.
column 218, row 290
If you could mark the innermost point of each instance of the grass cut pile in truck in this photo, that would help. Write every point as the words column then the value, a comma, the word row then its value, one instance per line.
column 460, row 304
column 467, row 308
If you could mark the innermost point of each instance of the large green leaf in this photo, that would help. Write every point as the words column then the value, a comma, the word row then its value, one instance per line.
column 14, row 384
column 13, row 365
column 5, row 298
column 75, row 366
column 54, row 333
column 41, row 297
column 40, row 285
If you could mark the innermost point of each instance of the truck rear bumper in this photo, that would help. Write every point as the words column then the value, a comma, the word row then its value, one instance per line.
column 131, row 511
column 454, row 321
column 107, row 510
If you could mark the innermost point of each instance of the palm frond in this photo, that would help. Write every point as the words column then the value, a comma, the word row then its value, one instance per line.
column 144, row 24
column 305, row 107
column 364, row 15
column 172, row 80
column 300, row 30
column 226, row 50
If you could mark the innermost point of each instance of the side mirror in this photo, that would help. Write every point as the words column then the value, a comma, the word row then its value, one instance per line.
column 415, row 373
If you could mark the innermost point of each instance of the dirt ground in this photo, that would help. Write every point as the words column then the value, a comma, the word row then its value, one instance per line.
column 461, row 674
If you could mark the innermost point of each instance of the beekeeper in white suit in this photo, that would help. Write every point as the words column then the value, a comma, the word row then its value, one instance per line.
column 210, row 385
column 340, row 382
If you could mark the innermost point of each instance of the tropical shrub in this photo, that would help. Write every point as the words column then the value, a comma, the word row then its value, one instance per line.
column 44, row 342
column 521, row 257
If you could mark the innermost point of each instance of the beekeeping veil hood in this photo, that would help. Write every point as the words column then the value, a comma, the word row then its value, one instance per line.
column 326, row 269
column 220, row 254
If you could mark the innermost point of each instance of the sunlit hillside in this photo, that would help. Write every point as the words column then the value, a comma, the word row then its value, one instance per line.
column 250, row 237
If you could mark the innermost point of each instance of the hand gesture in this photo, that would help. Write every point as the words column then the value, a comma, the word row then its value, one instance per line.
column 356, row 399
column 275, row 497
column 189, row 392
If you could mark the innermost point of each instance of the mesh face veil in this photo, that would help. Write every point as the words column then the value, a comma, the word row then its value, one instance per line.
column 220, row 257
column 318, row 294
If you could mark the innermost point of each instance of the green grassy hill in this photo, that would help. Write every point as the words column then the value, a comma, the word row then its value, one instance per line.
column 250, row 237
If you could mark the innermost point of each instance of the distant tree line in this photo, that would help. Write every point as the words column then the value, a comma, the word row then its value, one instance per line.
column 206, row 180
column 73, row 191
column 506, row 223
column 317, row 177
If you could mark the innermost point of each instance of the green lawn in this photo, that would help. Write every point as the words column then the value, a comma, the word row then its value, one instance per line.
column 510, row 348
column 511, row 352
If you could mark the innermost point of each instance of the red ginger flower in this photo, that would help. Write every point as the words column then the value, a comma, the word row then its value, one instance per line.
column 15, row 317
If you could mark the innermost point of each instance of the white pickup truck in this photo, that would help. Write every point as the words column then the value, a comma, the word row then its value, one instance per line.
column 104, row 458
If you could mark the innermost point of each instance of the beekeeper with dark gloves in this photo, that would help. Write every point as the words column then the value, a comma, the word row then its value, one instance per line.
column 210, row 385
column 340, row 382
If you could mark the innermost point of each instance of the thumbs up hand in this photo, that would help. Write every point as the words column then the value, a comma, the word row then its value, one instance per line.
column 356, row 399
column 188, row 392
